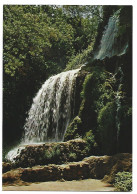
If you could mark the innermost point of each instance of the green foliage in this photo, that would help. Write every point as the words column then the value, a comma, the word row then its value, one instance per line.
column 79, row 59
column 97, row 91
column 72, row 156
column 92, row 86
column 89, row 95
column 86, row 85
column 31, row 37
column 91, row 143
column 123, row 181
column 89, row 138
column 53, row 153
column 106, row 89
column 31, row 34
column 106, row 97
column 125, row 23
column 99, row 108
column 84, row 20
column 38, row 41
column 74, row 129
column 107, row 128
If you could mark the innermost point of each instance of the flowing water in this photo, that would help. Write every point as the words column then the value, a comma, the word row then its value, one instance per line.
column 110, row 45
column 51, row 111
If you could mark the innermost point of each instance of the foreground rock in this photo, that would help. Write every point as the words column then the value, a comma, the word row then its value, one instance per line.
column 96, row 167
column 51, row 153
column 105, row 167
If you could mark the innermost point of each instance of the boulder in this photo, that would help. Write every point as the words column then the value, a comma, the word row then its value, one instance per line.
column 51, row 153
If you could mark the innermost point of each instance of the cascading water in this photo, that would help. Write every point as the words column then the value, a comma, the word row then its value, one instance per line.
column 51, row 111
column 118, row 102
column 110, row 45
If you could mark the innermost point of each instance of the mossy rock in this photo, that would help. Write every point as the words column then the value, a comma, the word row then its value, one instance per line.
column 74, row 130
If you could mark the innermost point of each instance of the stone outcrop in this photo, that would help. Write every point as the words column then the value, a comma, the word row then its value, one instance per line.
column 70, row 171
column 52, row 153
column 105, row 167
column 96, row 167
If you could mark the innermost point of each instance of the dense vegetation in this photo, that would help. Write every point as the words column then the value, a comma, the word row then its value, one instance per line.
column 106, row 97
column 123, row 181
column 40, row 41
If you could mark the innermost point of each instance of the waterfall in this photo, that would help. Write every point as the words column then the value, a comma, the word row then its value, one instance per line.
column 110, row 45
column 118, row 102
column 50, row 113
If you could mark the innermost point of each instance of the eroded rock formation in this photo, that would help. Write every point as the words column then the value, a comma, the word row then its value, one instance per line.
column 96, row 167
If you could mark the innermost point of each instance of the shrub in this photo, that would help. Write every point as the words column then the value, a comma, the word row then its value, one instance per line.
column 91, row 143
column 123, row 181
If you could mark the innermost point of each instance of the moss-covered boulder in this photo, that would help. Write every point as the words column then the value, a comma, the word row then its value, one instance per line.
column 74, row 129
column 52, row 153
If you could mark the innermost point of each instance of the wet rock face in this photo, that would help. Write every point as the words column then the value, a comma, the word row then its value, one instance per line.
column 96, row 167
column 52, row 153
